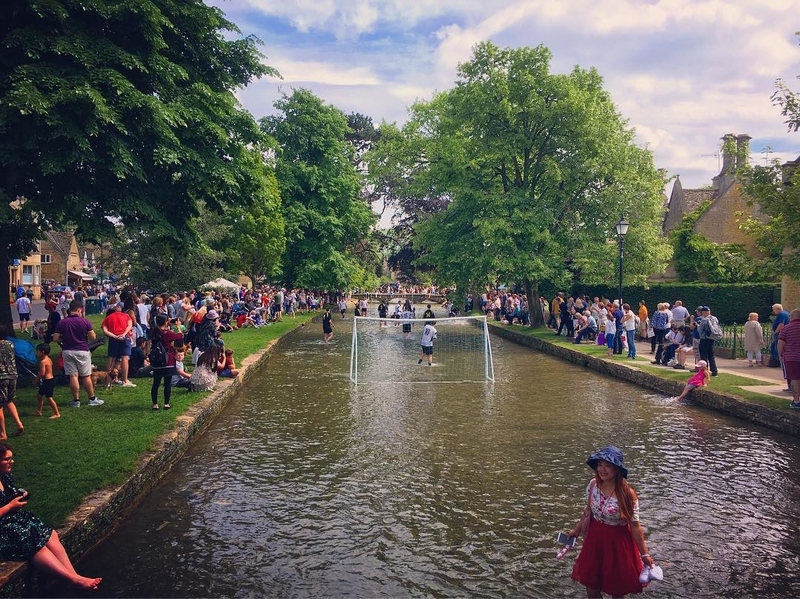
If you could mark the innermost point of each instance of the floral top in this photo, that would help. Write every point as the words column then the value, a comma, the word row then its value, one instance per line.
column 606, row 509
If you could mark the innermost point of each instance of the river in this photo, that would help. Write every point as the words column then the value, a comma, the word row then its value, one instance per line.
column 310, row 486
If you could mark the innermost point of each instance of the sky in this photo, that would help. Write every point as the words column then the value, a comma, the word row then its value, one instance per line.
column 683, row 73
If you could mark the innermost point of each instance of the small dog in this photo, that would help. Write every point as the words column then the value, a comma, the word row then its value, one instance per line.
column 109, row 378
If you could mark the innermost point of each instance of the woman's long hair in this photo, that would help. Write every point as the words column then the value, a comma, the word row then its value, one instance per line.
column 210, row 357
column 626, row 496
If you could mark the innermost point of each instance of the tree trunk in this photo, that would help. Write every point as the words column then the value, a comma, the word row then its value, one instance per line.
column 534, row 306
column 5, row 285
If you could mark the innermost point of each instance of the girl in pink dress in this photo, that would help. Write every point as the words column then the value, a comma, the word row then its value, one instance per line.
column 699, row 379
column 614, row 551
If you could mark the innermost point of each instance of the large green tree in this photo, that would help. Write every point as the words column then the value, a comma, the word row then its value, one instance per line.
column 789, row 101
column 537, row 168
column 255, row 240
column 776, row 192
column 326, row 221
column 121, row 112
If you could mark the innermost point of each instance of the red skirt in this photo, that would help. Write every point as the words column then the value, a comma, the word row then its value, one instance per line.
column 609, row 560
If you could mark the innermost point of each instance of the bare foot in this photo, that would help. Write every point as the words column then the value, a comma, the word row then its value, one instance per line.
column 55, row 416
column 88, row 584
column 37, row 413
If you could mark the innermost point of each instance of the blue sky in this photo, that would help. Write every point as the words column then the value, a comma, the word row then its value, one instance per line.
column 683, row 72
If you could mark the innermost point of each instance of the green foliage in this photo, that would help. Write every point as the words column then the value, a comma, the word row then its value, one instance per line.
column 254, row 239
column 123, row 112
column 529, row 172
column 789, row 101
column 777, row 194
column 326, row 221
column 698, row 259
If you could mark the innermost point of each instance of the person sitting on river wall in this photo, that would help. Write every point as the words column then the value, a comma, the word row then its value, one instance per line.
column 700, row 378
column 24, row 537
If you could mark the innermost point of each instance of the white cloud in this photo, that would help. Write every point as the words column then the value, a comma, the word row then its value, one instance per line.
column 683, row 72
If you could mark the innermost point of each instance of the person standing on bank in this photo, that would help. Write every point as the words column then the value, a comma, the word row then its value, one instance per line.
column 780, row 320
column 706, row 340
column 74, row 333
column 614, row 550
column 160, row 333
column 24, row 537
column 753, row 339
column 789, row 352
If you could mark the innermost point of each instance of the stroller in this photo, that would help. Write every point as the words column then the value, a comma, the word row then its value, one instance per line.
column 25, row 357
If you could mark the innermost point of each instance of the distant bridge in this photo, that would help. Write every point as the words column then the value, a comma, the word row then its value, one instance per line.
column 392, row 298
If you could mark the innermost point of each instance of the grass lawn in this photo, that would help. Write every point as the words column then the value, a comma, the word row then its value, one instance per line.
column 61, row 461
column 726, row 383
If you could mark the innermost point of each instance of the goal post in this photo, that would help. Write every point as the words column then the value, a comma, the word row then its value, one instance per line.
column 389, row 350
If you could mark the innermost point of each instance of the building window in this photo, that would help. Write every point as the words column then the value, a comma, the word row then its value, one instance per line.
column 27, row 274
column 46, row 259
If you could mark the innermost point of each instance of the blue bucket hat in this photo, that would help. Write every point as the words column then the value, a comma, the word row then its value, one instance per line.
column 612, row 455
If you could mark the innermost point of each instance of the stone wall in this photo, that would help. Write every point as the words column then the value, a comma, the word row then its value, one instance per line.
column 783, row 421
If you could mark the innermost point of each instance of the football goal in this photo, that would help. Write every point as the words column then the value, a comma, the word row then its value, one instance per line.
column 390, row 350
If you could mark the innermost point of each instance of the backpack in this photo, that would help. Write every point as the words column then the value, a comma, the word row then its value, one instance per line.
column 713, row 329
column 158, row 353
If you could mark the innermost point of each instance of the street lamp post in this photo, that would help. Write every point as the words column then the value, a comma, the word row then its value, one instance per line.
column 622, row 230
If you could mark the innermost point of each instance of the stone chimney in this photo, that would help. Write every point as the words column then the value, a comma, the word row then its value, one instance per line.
column 729, row 151
column 742, row 150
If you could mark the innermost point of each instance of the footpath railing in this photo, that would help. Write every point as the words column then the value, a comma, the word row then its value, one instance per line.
column 733, row 339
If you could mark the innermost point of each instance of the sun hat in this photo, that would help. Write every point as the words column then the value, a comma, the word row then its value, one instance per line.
column 212, row 315
column 702, row 364
column 612, row 455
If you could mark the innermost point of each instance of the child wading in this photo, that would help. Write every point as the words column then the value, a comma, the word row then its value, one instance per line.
column 428, row 335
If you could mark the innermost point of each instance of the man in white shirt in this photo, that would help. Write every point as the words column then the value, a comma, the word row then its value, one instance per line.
column 428, row 335
column 24, row 311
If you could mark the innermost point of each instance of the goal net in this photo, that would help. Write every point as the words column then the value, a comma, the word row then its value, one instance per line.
column 389, row 350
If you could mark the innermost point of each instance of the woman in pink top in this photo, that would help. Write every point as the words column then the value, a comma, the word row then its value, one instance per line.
column 699, row 379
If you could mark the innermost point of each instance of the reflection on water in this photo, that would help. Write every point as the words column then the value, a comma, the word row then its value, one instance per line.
column 309, row 486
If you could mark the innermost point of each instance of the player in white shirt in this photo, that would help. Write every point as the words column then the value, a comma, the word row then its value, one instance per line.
column 428, row 335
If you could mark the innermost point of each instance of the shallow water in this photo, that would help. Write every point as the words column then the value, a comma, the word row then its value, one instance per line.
column 310, row 486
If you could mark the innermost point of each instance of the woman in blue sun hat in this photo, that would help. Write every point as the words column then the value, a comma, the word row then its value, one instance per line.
column 614, row 551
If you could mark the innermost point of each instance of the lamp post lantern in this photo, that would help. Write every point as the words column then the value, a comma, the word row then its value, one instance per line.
column 622, row 230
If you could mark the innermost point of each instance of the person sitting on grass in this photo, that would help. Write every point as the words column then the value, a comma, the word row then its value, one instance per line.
column 228, row 369
column 181, row 378
column 700, row 378
column 204, row 376
column 684, row 349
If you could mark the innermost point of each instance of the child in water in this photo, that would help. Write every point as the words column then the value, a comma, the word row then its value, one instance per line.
column 700, row 378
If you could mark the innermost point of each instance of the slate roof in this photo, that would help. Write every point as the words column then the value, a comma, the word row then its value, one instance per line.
column 61, row 242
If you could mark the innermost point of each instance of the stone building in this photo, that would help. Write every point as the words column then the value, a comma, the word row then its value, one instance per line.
column 720, row 223
column 60, row 259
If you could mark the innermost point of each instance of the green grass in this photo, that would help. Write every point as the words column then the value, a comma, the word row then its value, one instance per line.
column 63, row 460
column 730, row 384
